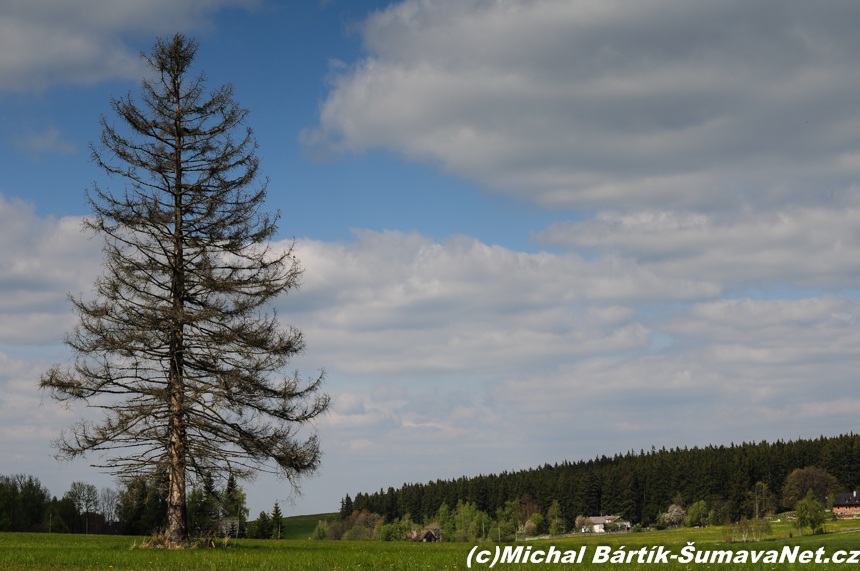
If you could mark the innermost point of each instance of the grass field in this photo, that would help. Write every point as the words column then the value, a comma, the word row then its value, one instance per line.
column 20, row 551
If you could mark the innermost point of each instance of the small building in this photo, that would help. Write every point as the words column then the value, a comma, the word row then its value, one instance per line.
column 603, row 523
column 424, row 536
column 846, row 503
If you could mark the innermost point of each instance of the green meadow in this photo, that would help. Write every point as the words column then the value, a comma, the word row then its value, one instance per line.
column 20, row 551
column 301, row 526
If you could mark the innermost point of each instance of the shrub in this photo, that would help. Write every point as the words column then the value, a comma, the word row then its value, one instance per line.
column 320, row 531
column 530, row 529
column 388, row 532
column 335, row 530
column 539, row 521
column 357, row 533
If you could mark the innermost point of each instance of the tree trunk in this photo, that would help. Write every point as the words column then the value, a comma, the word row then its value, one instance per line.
column 177, row 518
column 177, row 521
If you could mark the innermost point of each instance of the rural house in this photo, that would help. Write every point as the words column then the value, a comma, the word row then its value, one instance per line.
column 601, row 524
column 846, row 503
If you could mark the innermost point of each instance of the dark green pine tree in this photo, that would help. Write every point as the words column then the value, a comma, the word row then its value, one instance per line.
column 346, row 507
column 263, row 527
column 233, row 507
column 277, row 522
column 389, row 504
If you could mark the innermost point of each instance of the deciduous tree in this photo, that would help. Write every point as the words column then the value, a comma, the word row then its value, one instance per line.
column 697, row 514
column 86, row 499
column 583, row 523
column 809, row 512
column 801, row 481
column 762, row 499
column 177, row 346
column 675, row 516
column 553, row 516
column 108, row 500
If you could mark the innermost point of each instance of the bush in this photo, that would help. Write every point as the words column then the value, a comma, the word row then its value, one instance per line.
column 539, row 521
column 388, row 532
column 335, row 530
column 320, row 531
column 357, row 533
column 530, row 529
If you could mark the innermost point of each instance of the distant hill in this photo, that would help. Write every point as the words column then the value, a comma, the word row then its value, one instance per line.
column 301, row 526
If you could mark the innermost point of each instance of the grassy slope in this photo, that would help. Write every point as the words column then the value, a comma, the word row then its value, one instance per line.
column 112, row 553
column 301, row 526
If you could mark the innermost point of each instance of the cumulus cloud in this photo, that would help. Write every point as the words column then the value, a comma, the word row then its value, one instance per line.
column 56, row 41
column 737, row 370
column 42, row 260
column 393, row 302
column 795, row 246
column 752, row 362
column 597, row 103
column 27, row 425
column 496, row 358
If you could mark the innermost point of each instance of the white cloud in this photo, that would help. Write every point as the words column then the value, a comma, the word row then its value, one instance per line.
column 60, row 41
column 738, row 370
column 30, row 421
column 476, row 358
column 42, row 261
column 48, row 142
column 392, row 302
column 796, row 246
column 596, row 103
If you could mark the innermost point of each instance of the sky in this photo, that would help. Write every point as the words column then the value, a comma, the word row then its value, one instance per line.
column 532, row 231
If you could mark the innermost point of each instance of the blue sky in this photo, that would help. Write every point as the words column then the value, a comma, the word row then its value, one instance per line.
column 532, row 231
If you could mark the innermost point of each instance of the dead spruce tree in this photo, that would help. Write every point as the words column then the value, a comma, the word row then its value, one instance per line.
column 177, row 346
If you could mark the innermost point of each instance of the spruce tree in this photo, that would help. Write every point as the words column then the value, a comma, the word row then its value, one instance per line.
column 177, row 346
column 277, row 522
column 346, row 507
column 233, row 505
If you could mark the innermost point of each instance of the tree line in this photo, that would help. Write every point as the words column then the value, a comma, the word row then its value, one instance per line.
column 27, row 505
column 137, row 507
column 724, row 482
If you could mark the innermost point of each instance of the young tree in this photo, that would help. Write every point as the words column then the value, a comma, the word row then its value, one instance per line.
column 697, row 514
column 233, row 505
column 178, row 340
column 761, row 498
column 263, row 527
column 277, row 520
column 809, row 512
column 553, row 516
